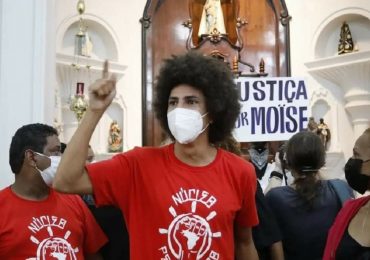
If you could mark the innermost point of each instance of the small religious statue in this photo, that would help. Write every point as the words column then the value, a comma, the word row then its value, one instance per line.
column 324, row 132
column 114, row 139
column 83, row 43
column 212, row 21
column 345, row 41
column 87, row 47
column 312, row 125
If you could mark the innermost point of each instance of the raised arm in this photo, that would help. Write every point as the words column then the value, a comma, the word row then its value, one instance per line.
column 71, row 176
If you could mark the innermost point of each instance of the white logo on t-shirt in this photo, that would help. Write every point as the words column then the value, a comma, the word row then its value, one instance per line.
column 51, row 247
column 189, row 236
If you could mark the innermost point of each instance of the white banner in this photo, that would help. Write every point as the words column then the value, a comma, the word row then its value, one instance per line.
column 273, row 109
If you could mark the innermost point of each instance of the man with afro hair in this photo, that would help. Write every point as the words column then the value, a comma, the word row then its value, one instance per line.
column 185, row 200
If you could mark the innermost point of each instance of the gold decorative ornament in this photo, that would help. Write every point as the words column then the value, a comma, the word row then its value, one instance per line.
column 262, row 66
column 83, row 47
column 78, row 102
column 235, row 65
column 81, row 6
column 240, row 22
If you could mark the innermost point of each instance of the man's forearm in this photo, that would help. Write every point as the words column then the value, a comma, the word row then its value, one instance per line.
column 246, row 252
column 277, row 252
column 69, row 177
column 244, row 246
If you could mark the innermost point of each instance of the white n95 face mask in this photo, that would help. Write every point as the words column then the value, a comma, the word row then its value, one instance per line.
column 48, row 174
column 185, row 124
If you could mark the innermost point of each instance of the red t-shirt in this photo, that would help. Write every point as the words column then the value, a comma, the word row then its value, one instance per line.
column 59, row 227
column 173, row 210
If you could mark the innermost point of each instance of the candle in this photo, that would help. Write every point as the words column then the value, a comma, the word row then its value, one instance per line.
column 80, row 88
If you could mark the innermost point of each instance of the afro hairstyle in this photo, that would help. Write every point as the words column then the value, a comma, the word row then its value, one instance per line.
column 209, row 75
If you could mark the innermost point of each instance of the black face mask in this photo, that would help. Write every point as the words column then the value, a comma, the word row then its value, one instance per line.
column 359, row 182
column 259, row 158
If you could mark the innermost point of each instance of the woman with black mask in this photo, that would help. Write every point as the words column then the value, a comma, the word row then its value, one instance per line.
column 349, row 236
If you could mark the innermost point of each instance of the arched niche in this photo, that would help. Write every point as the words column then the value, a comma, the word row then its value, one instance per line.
column 116, row 111
column 105, row 46
column 105, row 42
column 321, row 109
column 323, row 105
column 326, row 39
column 349, row 71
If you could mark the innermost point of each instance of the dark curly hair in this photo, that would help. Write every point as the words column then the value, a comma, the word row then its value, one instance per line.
column 209, row 75
column 305, row 156
column 33, row 137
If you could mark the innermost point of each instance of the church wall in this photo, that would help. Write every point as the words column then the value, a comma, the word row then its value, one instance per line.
column 26, row 78
column 122, row 19
column 27, row 65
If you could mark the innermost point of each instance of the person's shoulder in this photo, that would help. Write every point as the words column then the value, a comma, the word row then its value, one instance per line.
column 234, row 159
column 4, row 193
column 238, row 165
column 145, row 151
column 340, row 182
column 278, row 192
column 337, row 184
column 140, row 154
column 4, row 190
column 71, row 201
column 73, row 205
column 6, row 206
column 350, row 207
column 356, row 202
column 69, row 198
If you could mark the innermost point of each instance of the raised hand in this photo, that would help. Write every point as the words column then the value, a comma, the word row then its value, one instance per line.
column 278, row 167
column 102, row 91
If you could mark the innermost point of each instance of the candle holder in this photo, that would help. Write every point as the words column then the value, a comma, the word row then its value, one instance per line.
column 78, row 102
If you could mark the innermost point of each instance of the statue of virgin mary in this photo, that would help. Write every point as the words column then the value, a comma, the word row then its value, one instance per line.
column 212, row 20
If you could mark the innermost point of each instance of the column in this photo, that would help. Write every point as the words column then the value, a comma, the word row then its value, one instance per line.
column 27, row 70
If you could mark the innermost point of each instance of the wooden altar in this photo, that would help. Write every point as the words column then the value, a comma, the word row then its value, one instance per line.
column 255, row 42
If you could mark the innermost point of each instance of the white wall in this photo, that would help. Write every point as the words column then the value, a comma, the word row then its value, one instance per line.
column 27, row 78
column 122, row 17
column 27, row 63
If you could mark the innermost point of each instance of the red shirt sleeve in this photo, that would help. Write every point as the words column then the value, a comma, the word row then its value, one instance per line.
column 94, row 236
column 110, row 180
column 247, row 215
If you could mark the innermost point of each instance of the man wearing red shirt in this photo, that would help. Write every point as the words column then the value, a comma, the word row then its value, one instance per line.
column 36, row 221
column 185, row 200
